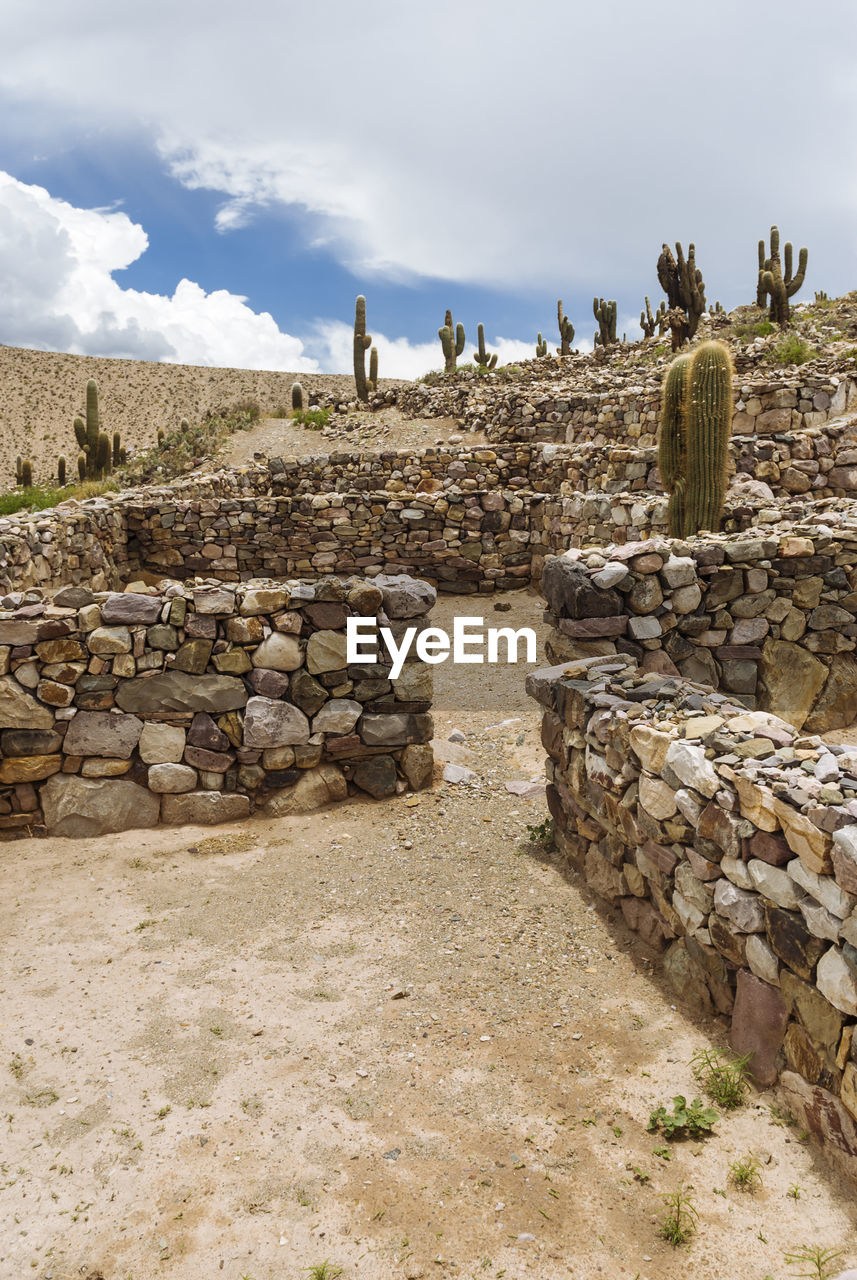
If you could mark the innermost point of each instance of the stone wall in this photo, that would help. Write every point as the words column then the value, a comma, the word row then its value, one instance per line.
column 769, row 616
column 203, row 703
column 728, row 840
column 73, row 543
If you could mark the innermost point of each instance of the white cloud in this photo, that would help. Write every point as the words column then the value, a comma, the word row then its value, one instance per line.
column 57, row 264
column 333, row 344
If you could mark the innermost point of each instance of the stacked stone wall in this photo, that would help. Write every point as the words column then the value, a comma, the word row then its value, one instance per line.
column 203, row 703
column 728, row 840
column 73, row 543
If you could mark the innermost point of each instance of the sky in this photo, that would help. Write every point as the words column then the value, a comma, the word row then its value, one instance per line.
column 214, row 183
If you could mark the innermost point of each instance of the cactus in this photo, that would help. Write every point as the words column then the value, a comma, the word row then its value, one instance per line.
column 481, row 356
column 162, row 435
column 716, row 310
column 693, row 441
column 541, row 347
column 649, row 321
column 80, row 433
column 27, row 473
column 184, row 425
column 566, row 331
column 772, row 282
column 452, row 339
column 81, row 467
column 297, row 397
column 605, row 314
column 93, row 424
column 88, row 435
column 117, row 448
column 61, row 471
column 362, row 342
column 373, row 369
column 761, row 295
column 682, row 282
column 821, row 296
column 102, row 455
column 18, row 461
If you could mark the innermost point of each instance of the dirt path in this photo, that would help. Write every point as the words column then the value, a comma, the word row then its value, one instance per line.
column 391, row 1036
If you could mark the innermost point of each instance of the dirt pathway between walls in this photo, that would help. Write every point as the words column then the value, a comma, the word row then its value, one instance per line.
column 394, row 1037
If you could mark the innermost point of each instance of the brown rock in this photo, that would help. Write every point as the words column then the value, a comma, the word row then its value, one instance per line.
column 101, row 733
column 29, row 768
column 203, row 808
column 792, row 680
column 81, row 807
column 791, row 940
column 758, row 1024
column 836, row 706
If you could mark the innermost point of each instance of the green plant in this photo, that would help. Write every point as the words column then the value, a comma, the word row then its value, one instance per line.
column 648, row 322
column 605, row 314
column 672, row 443
column 566, row 332
column 452, row 339
column 791, row 349
column 117, row 449
column 373, row 369
column 686, row 1119
column 723, row 1075
column 315, row 419
column 821, row 296
column 541, row 347
column 776, row 284
column 794, row 1191
column 682, row 282
column 696, row 421
column 745, row 1174
column 323, row 1271
column 93, row 443
column 823, row 1263
column 542, row 833
column 362, row 343
column 61, row 471
column 26, row 480
column 297, row 397
column 680, row 1220
column 481, row 356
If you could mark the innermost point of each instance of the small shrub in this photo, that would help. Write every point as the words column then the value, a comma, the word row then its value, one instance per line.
column 542, row 833
column 820, row 1263
column 791, row 349
column 323, row 1271
column 314, row 419
column 681, row 1217
column 723, row 1076
column 744, row 1174
column 686, row 1119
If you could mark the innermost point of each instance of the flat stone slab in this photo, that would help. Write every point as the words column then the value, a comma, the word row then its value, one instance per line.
column 82, row 807
column 180, row 691
column 100, row 733
column 203, row 808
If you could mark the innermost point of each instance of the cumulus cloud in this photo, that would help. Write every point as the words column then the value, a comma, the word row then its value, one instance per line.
column 57, row 263
column 333, row 344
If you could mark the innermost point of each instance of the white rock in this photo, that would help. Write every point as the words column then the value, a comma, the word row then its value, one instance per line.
column 690, row 766
column 612, row 573
column 657, row 797
column 745, row 910
column 690, row 916
column 689, row 805
column 823, row 888
column 819, row 920
column 775, row 884
column 458, row 773
column 762, row 960
column 679, row 571
column 736, row 870
column 837, row 981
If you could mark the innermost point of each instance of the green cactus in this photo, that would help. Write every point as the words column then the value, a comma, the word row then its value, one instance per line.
column 566, row 331
column 821, row 296
column 18, row 463
column 682, row 282
column 481, row 356
column 27, row 474
column 80, row 433
column 716, row 310
column 541, row 347
column 81, row 467
column 605, row 314
column 373, row 369
column 776, row 285
column 102, row 455
column 184, row 425
column 61, row 471
column 297, row 397
column 162, row 435
column 117, row 448
column 761, row 295
column 452, row 339
column 362, row 343
column 88, row 436
column 649, row 321
column 93, row 423
column 693, row 441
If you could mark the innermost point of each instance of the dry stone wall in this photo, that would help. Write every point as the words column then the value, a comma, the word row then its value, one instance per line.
column 769, row 616
column 203, row 702
column 728, row 840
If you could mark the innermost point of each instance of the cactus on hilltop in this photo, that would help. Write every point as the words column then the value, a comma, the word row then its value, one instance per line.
column 452, row 339
column 117, row 449
column 821, row 296
column 649, row 321
column 89, row 437
column 541, row 347
column 297, row 397
column 81, row 467
column 566, row 331
column 693, row 440
column 779, row 285
column 102, row 455
column 605, row 314
column 27, row 474
column 61, row 476
column 373, row 369
column 481, row 356
column 682, row 282
column 362, row 343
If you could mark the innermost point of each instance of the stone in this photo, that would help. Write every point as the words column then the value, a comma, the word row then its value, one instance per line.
column 646, row 595
column 405, row 597
column 844, row 856
column 679, row 571
column 29, row 768
column 203, row 732
column 762, row 960
column 641, row 916
column 263, row 600
column 377, row 776
column 612, row 573
column 657, row 797
column 836, row 979
column 14, row 631
column 823, row 888
column 268, row 723
column 791, row 940
column 758, row 1025
column 129, row 609
column 757, row 803
column 736, row 870
column 193, row 656
column 725, row 830
column 819, row 1112
column 417, row 764
column 690, row 766
column 171, row 778
column 161, row 743
column 65, row 649
column 86, row 807
column 208, row 761
column 728, row 940
column 105, row 641
column 314, row 788
column 745, row 910
column 203, row 808
column 650, row 746
column 774, row 883
column 686, row 978
column 364, row 599
column 848, row 1095
column 644, row 628
column 394, row 730
column 29, row 742
column 213, row 600
column 167, row 691
column 326, row 651
column 279, row 652
column 273, row 684
column 686, row 599
column 812, row 845
column 570, row 593
column 457, row 773
column 836, row 706
column 415, row 684
column 73, row 597
column 792, row 680
column 102, row 733
column 339, row 715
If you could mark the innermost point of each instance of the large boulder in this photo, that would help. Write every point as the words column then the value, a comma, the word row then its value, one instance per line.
column 792, row 680
column 571, row 593
column 82, row 807
column 268, row 723
column 403, row 596
column 19, row 709
column 180, row 691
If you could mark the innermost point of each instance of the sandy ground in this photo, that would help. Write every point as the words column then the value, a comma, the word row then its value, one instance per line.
column 395, row 1037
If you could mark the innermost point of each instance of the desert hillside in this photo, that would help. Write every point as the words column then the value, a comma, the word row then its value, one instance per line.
column 42, row 391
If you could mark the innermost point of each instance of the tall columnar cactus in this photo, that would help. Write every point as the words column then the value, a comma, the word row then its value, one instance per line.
column 481, row 356
column 452, row 339
column 682, row 282
column 693, row 442
column 648, row 322
column 566, row 331
column 297, row 397
column 81, row 467
column 93, row 422
column 26, row 480
column 102, row 455
column 117, row 449
column 88, row 435
column 605, row 314
column 362, row 343
column 761, row 295
column 776, row 284
column 373, row 369
column 541, row 347
column 61, row 471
